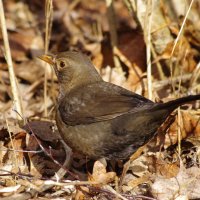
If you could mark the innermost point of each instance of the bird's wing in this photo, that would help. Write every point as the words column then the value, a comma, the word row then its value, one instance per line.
column 99, row 102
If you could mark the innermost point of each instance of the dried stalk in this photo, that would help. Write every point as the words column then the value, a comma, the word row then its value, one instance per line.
column 112, row 22
column 195, row 75
column 147, row 31
column 48, row 26
column 182, row 26
column 16, row 162
column 13, row 81
column 131, row 5
column 113, row 32
column 177, row 39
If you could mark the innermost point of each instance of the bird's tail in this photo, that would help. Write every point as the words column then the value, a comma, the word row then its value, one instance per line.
column 172, row 105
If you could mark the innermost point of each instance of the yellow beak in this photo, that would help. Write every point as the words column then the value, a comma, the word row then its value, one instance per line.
column 47, row 58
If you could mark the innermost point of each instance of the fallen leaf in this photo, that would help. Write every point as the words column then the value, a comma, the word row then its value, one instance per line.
column 100, row 175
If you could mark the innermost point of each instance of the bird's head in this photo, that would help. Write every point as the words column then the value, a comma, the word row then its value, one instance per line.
column 72, row 69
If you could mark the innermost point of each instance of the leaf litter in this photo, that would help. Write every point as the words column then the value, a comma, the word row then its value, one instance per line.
column 31, row 150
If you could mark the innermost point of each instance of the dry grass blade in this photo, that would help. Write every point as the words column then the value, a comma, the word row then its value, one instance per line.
column 177, row 39
column 13, row 81
column 195, row 75
column 15, row 157
column 150, row 47
column 182, row 26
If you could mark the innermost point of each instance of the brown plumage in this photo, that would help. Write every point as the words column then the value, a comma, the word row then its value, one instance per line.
column 100, row 119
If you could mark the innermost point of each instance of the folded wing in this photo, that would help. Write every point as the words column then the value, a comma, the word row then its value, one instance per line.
column 99, row 102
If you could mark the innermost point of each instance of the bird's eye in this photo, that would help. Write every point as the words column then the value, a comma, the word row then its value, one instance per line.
column 62, row 64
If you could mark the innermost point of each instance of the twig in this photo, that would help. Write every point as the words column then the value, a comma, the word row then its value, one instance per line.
column 48, row 153
column 159, row 66
column 22, row 151
column 28, row 195
column 165, row 82
column 15, row 175
column 13, row 81
column 109, row 188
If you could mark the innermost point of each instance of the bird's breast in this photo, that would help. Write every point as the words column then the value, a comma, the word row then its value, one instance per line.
column 87, row 139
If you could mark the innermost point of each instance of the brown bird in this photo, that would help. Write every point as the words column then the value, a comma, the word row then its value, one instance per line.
column 100, row 119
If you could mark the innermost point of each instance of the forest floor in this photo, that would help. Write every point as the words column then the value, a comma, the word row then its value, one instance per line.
column 33, row 160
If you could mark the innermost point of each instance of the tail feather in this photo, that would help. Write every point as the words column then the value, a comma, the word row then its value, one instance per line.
column 172, row 105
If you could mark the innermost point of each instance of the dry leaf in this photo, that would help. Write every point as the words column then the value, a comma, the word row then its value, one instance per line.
column 186, row 183
column 80, row 194
column 167, row 170
column 135, row 182
column 189, row 126
column 100, row 175
column 9, row 189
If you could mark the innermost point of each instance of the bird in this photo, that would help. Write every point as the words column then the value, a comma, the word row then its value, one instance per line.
column 99, row 119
